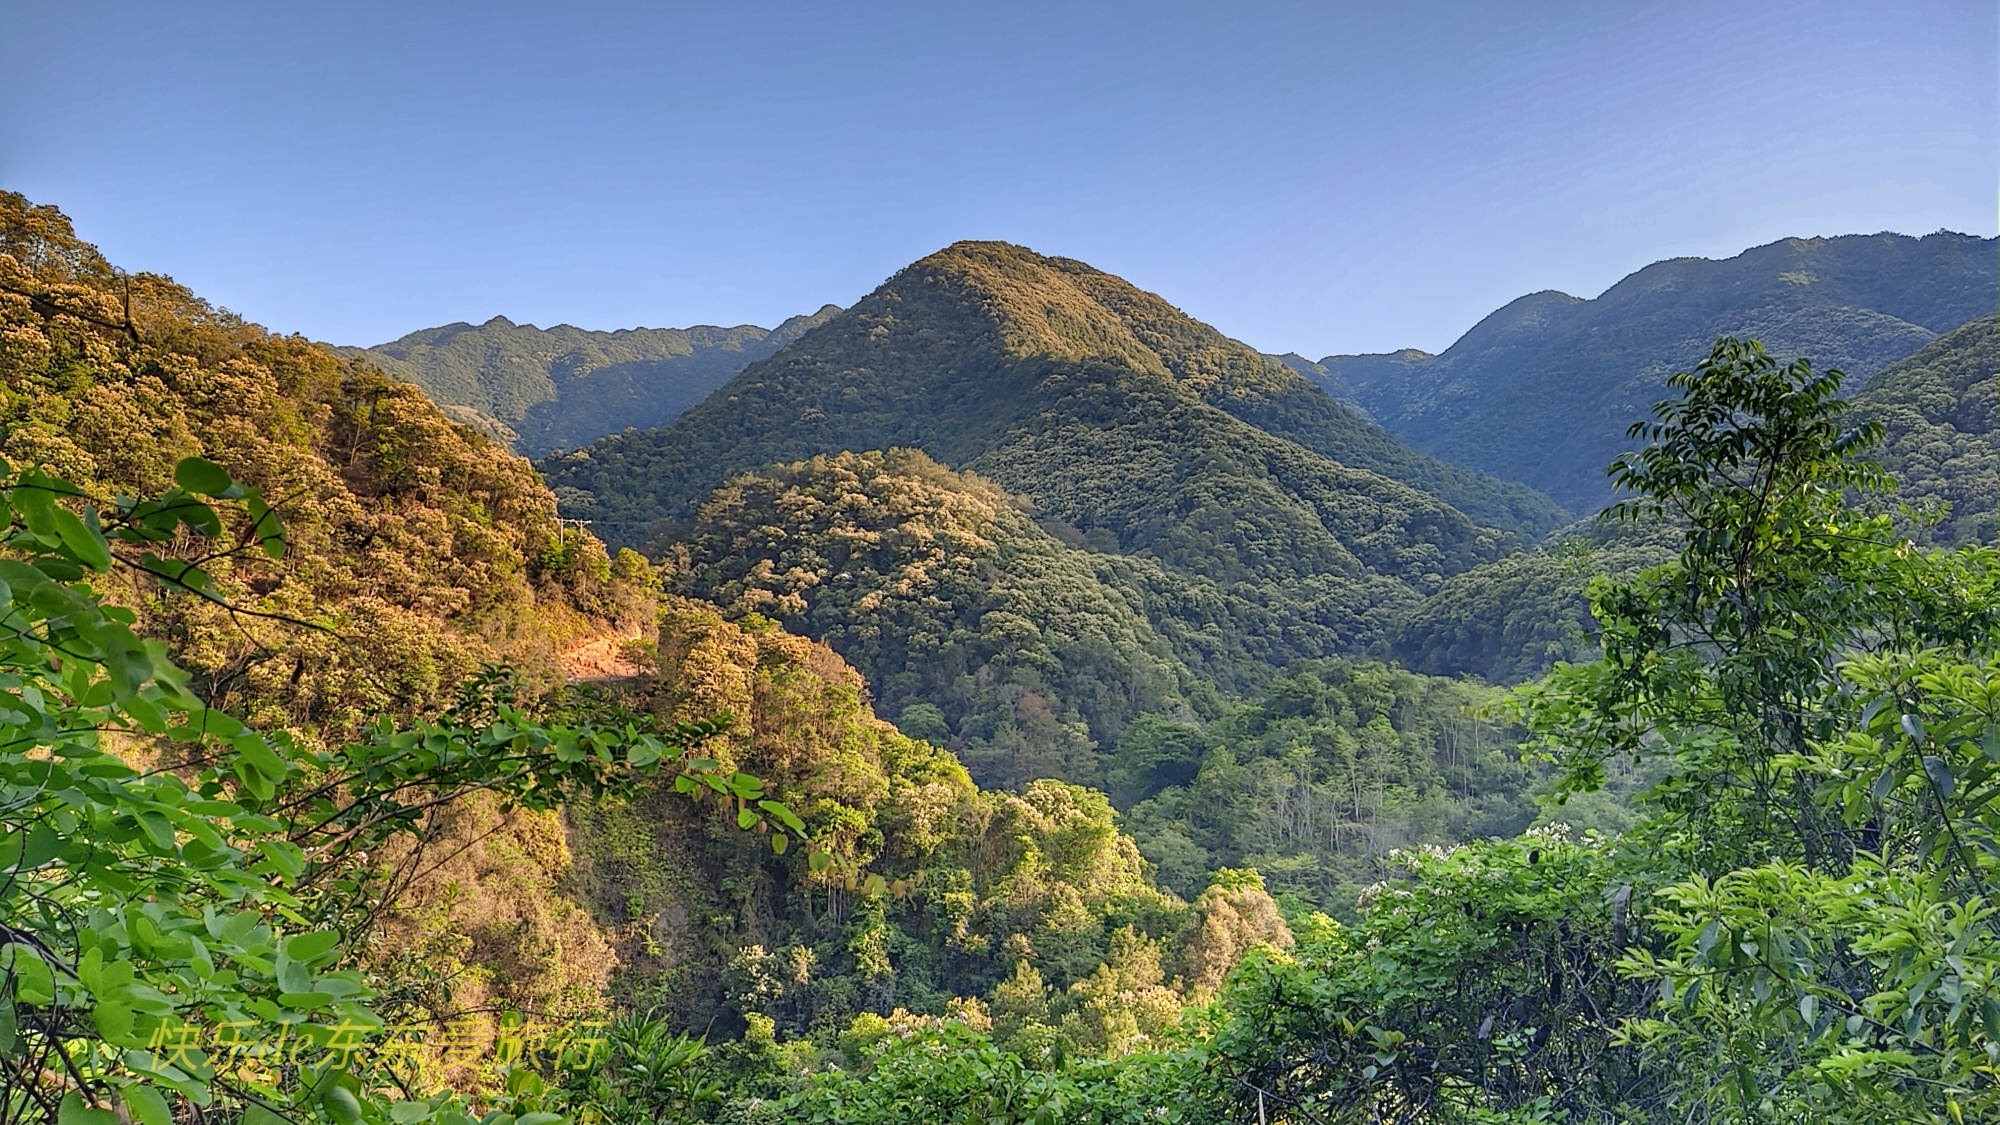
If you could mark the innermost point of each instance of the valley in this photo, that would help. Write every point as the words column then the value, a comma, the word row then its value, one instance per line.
column 1006, row 684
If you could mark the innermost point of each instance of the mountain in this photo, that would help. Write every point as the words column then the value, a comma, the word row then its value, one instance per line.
column 418, row 551
column 1940, row 407
column 1114, row 415
column 1369, row 369
column 977, row 627
column 1541, row 391
column 416, row 554
column 542, row 389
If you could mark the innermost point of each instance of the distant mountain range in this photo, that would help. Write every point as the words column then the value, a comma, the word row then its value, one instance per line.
column 1541, row 391
column 543, row 389
column 1246, row 507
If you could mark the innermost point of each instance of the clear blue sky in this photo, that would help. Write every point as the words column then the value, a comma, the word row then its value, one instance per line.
column 1320, row 177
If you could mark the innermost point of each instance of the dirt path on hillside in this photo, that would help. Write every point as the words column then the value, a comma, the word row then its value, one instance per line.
column 599, row 659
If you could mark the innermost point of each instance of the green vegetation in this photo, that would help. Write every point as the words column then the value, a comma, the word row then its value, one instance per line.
column 1801, row 928
column 1513, row 619
column 1940, row 407
column 543, row 389
column 203, row 890
column 1338, row 765
column 1000, row 906
column 946, row 596
column 1540, row 390
column 991, row 358
column 268, row 772
column 1115, row 418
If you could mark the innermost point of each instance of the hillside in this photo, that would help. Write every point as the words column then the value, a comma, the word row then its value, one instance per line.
column 418, row 551
column 1541, row 390
column 975, row 626
column 1940, row 407
column 542, row 389
column 1116, row 418
column 1008, row 907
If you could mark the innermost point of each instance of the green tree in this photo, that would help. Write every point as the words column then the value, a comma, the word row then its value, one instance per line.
column 1802, row 925
column 181, row 892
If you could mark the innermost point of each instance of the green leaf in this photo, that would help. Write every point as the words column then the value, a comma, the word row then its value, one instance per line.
column 147, row 1106
column 1939, row 771
column 785, row 816
column 86, row 545
column 1884, row 784
column 817, row 861
column 265, row 525
column 308, row 948
column 72, row 1111
column 200, row 475
column 34, row 984
column 42, row 844
column 342, row 1106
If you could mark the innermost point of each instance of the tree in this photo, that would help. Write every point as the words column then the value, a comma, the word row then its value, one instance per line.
column 180, row 891
column 1802, row 926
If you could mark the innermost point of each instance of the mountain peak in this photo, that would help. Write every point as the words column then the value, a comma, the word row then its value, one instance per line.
column 1035, row 305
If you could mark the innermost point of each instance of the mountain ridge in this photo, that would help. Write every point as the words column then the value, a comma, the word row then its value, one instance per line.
column 1247, row 503
column 1541, row 390
column 542, row 389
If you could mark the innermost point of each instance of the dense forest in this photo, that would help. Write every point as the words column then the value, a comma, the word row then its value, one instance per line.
column 1030, row 706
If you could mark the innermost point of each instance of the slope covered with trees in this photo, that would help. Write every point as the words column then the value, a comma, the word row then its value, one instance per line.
column 340, row 565
column 282, row 841
column 1114, row 416
column 1006, row 908
column 1940, row 408
column 976, row 627
column 989, row 352
column 1511, row 620
column 542, row 389
column 257, row 595
column 1541, row 390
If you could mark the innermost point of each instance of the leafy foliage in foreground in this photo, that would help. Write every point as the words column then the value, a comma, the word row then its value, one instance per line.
column 1803, row 927
column 181, row 890
column 418, row 553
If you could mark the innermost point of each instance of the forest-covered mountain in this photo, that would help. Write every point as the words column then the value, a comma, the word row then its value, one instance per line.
column 1541, row 390
column 1940, row 407
column 977, row 628
column 416, row 552
column 543, row 389
column 1123, row 423
column 297, row 743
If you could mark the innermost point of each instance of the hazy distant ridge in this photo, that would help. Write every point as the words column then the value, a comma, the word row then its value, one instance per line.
column 561, row 387
column 1541, row 390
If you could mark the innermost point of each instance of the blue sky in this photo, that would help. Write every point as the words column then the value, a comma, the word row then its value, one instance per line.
column 1320, row 177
